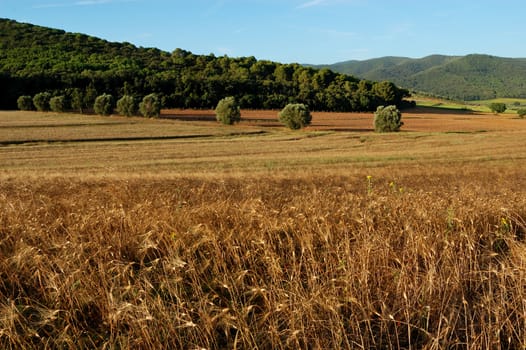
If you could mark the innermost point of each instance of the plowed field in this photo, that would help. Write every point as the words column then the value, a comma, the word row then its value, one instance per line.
column 418, row 119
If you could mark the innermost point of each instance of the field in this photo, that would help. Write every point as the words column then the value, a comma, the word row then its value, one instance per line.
column 479, row 106
column 180, row 233
column 190, row 142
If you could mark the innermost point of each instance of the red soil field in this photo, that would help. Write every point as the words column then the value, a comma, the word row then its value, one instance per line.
column 416, row 119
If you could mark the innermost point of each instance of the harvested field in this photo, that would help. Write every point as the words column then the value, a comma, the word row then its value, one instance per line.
column 255, row 236
column 418, row 119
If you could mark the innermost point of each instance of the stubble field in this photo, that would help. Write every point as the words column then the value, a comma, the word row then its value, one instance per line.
column 181, row 233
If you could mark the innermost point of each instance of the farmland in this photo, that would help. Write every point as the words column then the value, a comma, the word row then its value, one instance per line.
column 190, row 142
column 183, row 233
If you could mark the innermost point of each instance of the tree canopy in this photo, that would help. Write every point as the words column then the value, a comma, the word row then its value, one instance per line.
column 295, row 116
column 36, row 59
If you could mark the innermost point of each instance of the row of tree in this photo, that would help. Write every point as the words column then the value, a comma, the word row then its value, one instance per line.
column 105, row 104
column 297, row 115
column 81, row 68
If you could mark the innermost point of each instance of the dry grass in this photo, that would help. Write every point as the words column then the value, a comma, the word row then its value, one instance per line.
column 286, row 240
column 167, row 147
column 33, row 127
column 271, row 263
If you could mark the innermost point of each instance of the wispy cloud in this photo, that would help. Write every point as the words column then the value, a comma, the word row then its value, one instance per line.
column 314, row 3
column 79, row 3
column 92, row 2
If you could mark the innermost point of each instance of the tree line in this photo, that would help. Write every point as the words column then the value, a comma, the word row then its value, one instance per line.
column 36, row 59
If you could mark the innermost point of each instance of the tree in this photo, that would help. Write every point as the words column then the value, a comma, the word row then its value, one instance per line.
column 41, row 101
column 103, row 104
column 82, row 68
column 387, row 119
column 150, row 106
column 58, row 103
column 25, row 103
column 521, row 112
column 126, row 105
column 227, row 111
column 90, row 95
column 77, row 100
column 385, row 92
column 295, row 116
column 497, row 107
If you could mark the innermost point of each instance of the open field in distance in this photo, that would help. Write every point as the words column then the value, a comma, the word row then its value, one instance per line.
column 74, row 144
column 480, row 106
column 183, row 233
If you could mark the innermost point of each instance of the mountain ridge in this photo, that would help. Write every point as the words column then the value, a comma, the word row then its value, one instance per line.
column 469, row 77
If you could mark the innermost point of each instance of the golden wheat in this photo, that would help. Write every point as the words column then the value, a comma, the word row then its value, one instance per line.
column 402, row 260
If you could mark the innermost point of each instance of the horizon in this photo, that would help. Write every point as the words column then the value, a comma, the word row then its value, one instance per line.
column 316, row 32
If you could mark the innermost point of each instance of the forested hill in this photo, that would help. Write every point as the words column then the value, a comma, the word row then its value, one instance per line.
column 36, row 59
column 471, row 77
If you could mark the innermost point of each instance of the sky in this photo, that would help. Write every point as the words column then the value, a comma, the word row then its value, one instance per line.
column 292, row 31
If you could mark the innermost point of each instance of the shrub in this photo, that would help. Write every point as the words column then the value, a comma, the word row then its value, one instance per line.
column 227, row 111
column 497, row 107
column 103, row 104
column 521, row 112
column 150, row 106
column 41, row 101
column 58, row 104
column 25, row 103
column 295, row 116
column 126, row 105
column 77, row 100
column 387, row 119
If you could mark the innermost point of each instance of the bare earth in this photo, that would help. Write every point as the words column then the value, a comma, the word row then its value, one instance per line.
column 418, row 119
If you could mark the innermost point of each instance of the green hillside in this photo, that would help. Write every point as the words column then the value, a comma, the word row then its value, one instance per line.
column 36, row 59
column 472, row 77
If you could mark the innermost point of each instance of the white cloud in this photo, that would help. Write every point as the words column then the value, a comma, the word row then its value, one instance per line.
column 313, row 3
column 80, row 3
column 92, row 2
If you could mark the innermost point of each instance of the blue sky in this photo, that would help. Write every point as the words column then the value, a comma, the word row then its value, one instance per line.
column 304, row 31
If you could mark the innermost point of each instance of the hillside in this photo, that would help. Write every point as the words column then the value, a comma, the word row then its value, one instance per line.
column 35, row 59
column 471, row 77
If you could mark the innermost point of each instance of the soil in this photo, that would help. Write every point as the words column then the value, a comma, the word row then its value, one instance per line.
column 416, row 119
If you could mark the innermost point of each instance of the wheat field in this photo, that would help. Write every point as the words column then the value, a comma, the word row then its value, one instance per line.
column 273, row 240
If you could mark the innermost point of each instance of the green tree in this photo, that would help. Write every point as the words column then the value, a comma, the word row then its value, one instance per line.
column 77, row 100
column 103, row 104
column 25, row 103
column 521, row 112
column 41, row 101
column 58, row 103
column 385, row 92
column 295, row 116
column 387, row 119
column 227, row 111
column 90, row 95
column 497, row 107
column 83, row 67
column 150, row 106
column 126, row 106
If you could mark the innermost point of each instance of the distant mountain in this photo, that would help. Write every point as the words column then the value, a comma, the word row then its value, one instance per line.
column 471, row 77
